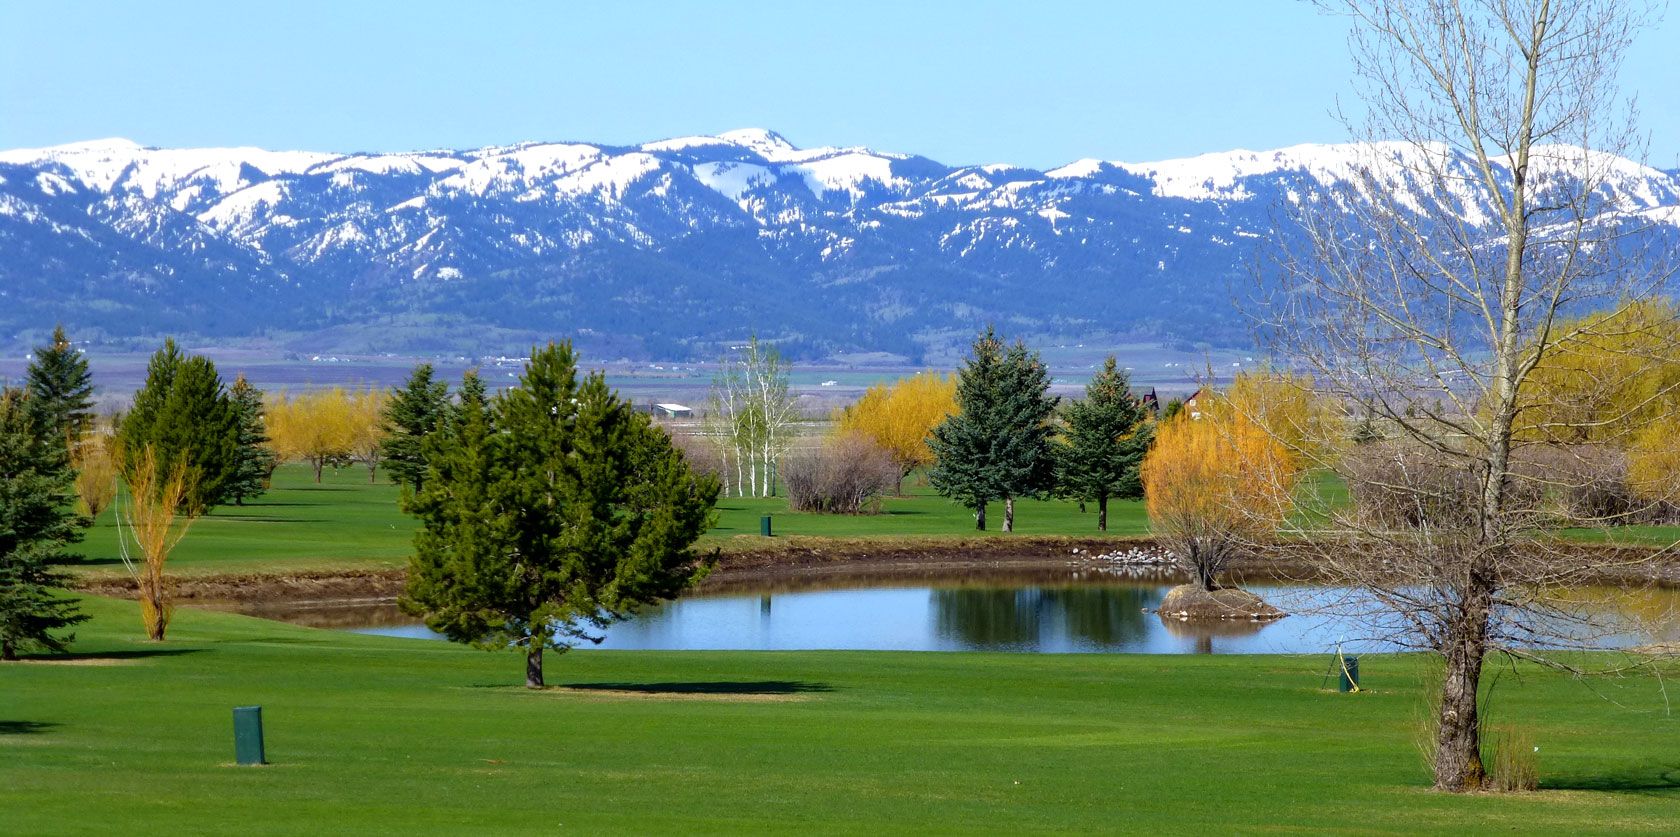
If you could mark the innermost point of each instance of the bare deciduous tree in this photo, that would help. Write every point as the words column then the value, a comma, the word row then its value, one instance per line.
column 847, row 474
column 750, row 416
column 1423, row 292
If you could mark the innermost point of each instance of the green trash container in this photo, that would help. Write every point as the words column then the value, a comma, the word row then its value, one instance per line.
column 1349, row 679
column 248, row 735
column 764, row 526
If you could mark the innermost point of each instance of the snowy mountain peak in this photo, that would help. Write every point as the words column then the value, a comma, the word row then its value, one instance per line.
column 758, row 139
column 684, row 240
column 765, row 143
column 85, row 146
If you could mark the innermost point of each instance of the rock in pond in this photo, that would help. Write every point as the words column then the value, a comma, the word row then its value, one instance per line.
column 1190, row 601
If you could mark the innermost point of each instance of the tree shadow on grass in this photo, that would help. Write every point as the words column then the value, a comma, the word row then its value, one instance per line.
column 269, row 518
column 1654, row 779
column 25, row 727
column 724, row 687
column 95, row 657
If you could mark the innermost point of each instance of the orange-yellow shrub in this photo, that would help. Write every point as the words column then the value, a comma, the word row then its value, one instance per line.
column 1212, row 485
column 899, row 417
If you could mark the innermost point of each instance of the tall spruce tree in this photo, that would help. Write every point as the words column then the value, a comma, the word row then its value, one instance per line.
column 964, row 464
column 1107, row 435
column 255, row 460
column 36, row 524
column 1027, row 409
column 550, row 511
column 997, row 447
column 184, row 415
column 60, row 387
column 415, row 412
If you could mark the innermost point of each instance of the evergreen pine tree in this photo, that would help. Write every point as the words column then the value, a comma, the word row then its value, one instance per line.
column 60, row 387
column 1025, row 458
column 997, row 447
column 1107, row 436
column 184, row 414
column 414, row 412
column 36, row 524
column 255, row 460
column 964, row 467
column 548, row 512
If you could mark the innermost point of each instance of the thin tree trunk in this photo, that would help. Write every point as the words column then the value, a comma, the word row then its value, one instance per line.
column 319, row 464
column 980, row 516
column 533, row 667
column 740, row 474
column 1203, row 565
column 1102, row 513
column 8, row 650
column 1458, row 743
column 151, row 595
column 1009, row 514
column 153, row 592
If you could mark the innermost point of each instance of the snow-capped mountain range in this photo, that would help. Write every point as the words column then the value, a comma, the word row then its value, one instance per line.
column 666, row 249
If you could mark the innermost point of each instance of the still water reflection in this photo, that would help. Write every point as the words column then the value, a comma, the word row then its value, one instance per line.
column 1059, row 617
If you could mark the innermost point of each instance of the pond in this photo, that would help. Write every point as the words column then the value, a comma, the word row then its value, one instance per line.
column 1057, row 615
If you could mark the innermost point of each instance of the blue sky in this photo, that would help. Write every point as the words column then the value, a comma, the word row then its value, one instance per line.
column 1034, row 83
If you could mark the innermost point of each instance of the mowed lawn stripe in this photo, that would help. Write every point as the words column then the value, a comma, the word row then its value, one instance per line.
column 373, row 734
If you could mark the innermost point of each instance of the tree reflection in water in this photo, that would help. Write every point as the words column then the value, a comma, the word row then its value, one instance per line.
column 1030, row 613
column 1204, row 632
column 987, row 618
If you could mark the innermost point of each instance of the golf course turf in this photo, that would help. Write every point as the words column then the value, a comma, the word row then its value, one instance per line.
column 373, row 734
column 345, row 523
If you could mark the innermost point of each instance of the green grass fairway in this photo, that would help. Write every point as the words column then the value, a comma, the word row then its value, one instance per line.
column 347, row 523
column 921, row 512
column 374, row 735
column 296, row 526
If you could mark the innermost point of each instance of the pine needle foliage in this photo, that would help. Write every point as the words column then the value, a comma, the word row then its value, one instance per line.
column 255, row 460
column 36, row 524
column 414, row 412
column 997, row 447
column 183, row 415
column 1103, row 443
column 60, row 386
column 549, row 512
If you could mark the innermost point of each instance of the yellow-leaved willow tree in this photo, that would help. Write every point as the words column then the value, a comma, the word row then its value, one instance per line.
column 1215, row 486
column 899, row 416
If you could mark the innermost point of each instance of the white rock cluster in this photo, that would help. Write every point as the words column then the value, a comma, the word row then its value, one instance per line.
column 1132, row 556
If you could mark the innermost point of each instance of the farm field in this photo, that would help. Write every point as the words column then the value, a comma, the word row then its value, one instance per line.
column 384, row 735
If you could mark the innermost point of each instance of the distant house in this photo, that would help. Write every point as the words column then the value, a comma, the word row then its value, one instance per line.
column 1151, row 401
column 1191, row 404
column 673, row 411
